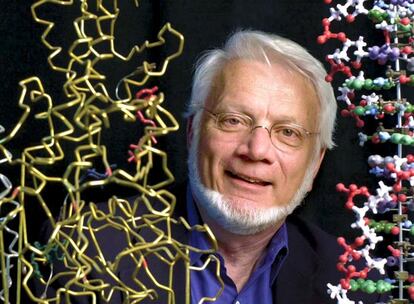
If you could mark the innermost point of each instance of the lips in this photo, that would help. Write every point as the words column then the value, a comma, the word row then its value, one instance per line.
column 248, row 179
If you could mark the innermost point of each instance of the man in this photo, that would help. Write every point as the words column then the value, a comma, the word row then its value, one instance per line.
column 255, row 146
column 260, row 119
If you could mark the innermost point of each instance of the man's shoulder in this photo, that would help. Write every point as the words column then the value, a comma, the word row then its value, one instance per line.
column 312, row 250
column 305, row 234
column 314, row 254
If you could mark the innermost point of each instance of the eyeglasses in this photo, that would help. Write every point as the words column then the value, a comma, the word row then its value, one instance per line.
column 282, row 135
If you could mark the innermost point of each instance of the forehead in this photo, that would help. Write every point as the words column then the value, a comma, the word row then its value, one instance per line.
column 259, row 88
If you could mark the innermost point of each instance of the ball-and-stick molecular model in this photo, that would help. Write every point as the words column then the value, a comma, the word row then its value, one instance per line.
column 361, row 95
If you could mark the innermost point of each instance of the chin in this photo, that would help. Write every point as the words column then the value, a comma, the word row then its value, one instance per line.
column 237, row 202
column 235, row 215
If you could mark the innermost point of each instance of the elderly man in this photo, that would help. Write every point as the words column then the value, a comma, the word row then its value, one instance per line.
column 260, row 119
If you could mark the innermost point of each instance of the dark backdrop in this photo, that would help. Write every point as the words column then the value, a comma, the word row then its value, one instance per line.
column 205, row 25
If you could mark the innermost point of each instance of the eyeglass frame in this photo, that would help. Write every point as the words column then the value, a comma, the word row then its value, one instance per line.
column 254, row 127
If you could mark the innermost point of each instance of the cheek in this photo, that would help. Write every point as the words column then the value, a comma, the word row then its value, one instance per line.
column 212, row 154
column 207, row 157
column 294, row 165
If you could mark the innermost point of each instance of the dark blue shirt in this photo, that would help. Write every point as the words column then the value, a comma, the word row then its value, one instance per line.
column 205, row 283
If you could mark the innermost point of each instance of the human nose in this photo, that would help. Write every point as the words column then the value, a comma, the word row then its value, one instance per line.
column 258, row 145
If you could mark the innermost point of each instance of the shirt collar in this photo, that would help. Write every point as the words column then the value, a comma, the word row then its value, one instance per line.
column 277, row 249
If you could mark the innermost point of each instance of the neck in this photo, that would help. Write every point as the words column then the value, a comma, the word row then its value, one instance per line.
column 241, row 253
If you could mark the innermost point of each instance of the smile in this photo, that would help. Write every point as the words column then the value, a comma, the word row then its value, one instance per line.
column 248, row 179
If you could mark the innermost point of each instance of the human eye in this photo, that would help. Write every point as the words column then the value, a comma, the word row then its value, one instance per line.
column 232, row 121
column 287, row 134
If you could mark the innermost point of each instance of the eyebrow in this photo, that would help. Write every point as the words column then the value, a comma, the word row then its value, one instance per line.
column 280, row 119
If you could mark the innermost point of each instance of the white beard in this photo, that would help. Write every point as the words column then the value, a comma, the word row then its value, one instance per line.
column 228, row 214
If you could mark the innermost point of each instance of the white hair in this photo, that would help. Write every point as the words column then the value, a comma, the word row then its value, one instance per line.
column 267, row 48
